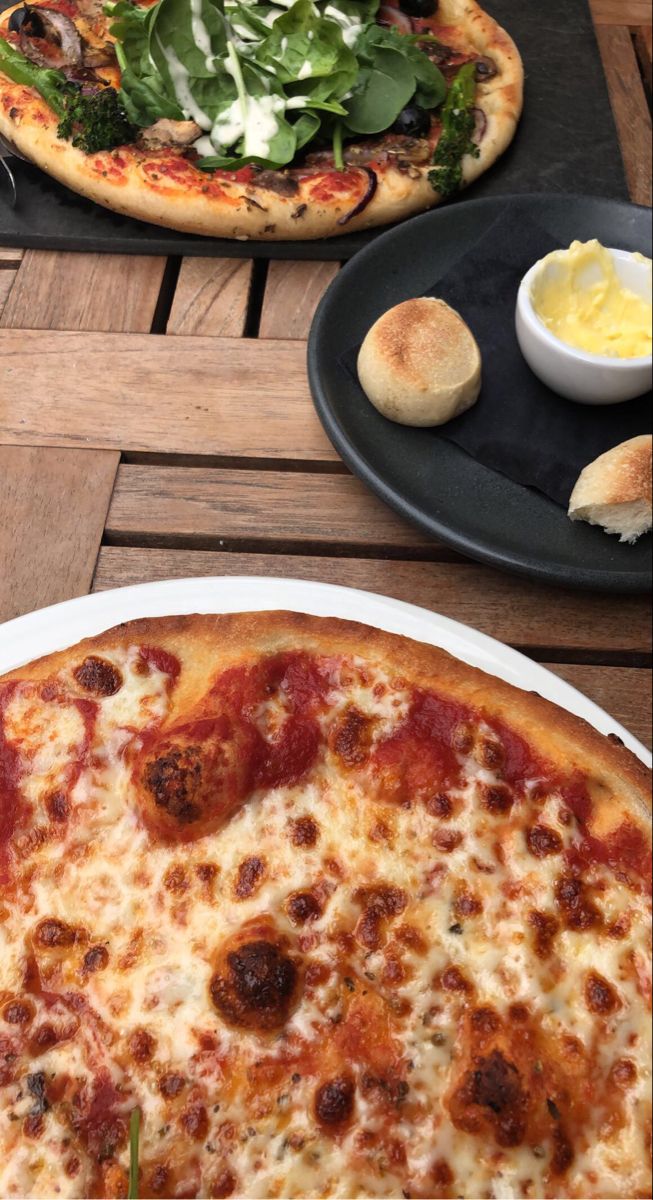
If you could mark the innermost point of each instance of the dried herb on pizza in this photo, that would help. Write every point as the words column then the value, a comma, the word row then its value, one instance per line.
column 273, row 95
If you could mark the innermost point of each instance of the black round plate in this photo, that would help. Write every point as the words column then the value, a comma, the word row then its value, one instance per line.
column 431, row 481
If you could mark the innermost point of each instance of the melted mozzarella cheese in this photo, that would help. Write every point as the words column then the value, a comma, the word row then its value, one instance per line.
column 149, row 905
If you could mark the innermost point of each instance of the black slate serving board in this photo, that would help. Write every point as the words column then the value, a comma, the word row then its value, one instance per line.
column 566, row 142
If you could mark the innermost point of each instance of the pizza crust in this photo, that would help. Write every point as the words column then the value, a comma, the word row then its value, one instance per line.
column 618, row 780
column 252, row 212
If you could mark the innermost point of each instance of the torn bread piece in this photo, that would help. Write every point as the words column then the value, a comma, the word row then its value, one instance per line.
column 614, row 491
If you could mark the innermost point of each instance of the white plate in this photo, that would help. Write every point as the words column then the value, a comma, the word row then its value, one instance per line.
column 62, row 625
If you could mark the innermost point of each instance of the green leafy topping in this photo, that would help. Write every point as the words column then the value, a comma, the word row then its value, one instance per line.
column 456, row 138
column 134, row 1135
column 92, row 122
column 261, row 80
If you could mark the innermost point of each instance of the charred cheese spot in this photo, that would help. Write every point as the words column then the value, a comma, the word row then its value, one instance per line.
column 96, row 959
column 496, row 799
column 171, row 1085
column 98, row 676
column 304, row 831
column 250, row 875
column 577, row 909
column 453, row 980
column 623, row 1073
column 563, row 1152
column 440, row 805
column 600, row 996
column 141, row 1045
column 466, row 904
column 19, row 1012
column 543, row 841
column 492, row 1094
column 54, row 934
column 176, row 879
column 334, row 1102
column 485, row 1021
column 194, row 779
column 256, row 984
column 195, row 1122
column 448, row 840
column 57, row 807
column 351, row 737
column 380, row 903
column 545, row 927
column 303, row 907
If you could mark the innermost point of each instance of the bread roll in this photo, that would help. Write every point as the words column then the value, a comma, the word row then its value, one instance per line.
column 614, row 491
column 419, row 364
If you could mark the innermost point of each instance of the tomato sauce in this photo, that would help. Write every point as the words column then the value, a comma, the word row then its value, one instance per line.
column 625, row 850
column 420, row 755
column 161, row 660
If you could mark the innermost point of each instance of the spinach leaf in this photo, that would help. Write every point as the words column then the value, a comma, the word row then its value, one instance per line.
column 306, row 128
column 383, row 90
column 197, row 38
column 293, row 55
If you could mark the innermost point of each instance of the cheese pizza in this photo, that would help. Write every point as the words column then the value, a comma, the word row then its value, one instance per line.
column 322, row 912
column 295, row 119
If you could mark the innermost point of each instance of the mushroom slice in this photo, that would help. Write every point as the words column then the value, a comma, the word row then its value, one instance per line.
column 50, row 39
column 168, row 133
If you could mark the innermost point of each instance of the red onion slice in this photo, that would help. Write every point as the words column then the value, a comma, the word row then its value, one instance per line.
column 370, row 192
column 394, row 16
column 480, row 125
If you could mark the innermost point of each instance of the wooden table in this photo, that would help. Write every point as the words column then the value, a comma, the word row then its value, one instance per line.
column 155, row 422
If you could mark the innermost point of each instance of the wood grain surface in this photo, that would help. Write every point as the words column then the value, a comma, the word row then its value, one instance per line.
column 185, row 394
column 53, row 505
column 293, row 509
column 211, row 297
column 110, row 293
column 292, row 293
column 629, row 106
column 621, row 12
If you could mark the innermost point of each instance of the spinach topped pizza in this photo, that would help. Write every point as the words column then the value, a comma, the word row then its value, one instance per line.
column 294, row 119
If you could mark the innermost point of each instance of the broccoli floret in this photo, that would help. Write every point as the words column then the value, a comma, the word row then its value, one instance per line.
column 456, row 137
column 94, row 121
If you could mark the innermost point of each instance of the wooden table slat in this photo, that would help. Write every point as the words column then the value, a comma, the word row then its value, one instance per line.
column 184, row 394
column 623, row 692
column 102, row 292
column 53, row 504
column 284, row 507
column 621, row 12
column 211, row 297
column 10, row 254
column 513, row 610
column 630, row 108
column 6, row 284
column 292, row 294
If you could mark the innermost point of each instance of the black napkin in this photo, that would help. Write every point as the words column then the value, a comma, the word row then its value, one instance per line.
column 518, row 426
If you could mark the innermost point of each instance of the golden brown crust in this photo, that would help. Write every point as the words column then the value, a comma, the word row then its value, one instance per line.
column 619, row 476
column 167, row 190
column 618, row 781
